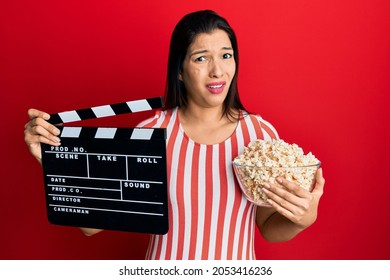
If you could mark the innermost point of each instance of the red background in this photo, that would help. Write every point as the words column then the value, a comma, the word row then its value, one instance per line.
column 317, row 70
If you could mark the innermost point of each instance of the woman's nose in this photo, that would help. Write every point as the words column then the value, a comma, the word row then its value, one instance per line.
column 216, row 69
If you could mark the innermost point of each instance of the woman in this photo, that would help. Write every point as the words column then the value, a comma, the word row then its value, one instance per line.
column 207, row 126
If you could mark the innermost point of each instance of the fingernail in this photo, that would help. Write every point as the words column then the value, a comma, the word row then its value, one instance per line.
column 279, row 180
column 56, row 139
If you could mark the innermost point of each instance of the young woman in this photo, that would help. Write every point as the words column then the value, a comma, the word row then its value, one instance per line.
column 207, row 126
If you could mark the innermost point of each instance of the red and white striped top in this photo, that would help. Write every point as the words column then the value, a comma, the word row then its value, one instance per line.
column 209, row 218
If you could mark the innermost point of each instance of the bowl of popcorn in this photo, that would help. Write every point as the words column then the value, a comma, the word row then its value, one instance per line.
column 263, row 161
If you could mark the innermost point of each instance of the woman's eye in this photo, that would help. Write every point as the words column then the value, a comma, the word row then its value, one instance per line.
column 200, row 59
column 227, row 56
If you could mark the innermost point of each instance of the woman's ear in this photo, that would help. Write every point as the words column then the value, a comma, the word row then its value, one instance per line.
column 180, row 77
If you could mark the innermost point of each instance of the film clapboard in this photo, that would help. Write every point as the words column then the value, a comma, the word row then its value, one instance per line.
column 107, row 177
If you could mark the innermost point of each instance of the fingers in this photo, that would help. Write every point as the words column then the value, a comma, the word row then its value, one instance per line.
column 45, row 132
column 33, row 142
column 288, row 189
column 40, row 118
column 288, row 198
column 281, row 205
column 34, row 113
column 292, row 201
column 320, row 181
column 38, row 130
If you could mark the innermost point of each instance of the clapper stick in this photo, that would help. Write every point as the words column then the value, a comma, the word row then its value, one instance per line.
column 107, row 178
column 107, row 110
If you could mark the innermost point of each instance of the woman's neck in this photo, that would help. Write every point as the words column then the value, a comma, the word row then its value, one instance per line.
column 198, row 115
column 206, row 125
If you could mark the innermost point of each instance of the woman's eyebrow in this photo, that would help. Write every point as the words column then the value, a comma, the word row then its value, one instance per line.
column 205, row 51
column 198, row 52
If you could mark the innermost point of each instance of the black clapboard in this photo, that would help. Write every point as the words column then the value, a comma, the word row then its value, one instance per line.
column 107, row 177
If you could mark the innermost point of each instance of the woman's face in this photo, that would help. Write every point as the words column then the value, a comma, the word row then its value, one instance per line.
column 208, row 69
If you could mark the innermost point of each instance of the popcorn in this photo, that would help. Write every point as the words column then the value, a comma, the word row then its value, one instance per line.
column 264, row 161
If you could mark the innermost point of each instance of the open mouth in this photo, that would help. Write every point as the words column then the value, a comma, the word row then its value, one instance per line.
column 216, row 87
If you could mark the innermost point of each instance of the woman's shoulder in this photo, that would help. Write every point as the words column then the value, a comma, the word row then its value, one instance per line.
column 159, row 120
column 258, row 121
column 255, row 117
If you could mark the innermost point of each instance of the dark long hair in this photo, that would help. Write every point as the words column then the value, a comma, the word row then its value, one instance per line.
column 182, row 37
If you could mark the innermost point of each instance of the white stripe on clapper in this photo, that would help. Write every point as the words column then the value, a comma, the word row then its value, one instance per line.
column 105, row 133
column 103, row 111
column 139, row 105
column 142, row 133
column 71, row 132
column 69, row 116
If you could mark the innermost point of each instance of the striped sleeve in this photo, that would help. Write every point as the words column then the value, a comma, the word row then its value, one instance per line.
column 267, row 129
column 160, row 120
column 150, row 122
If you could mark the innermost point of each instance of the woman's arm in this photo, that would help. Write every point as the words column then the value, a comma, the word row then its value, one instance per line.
column 293, row 209
column 90, row 231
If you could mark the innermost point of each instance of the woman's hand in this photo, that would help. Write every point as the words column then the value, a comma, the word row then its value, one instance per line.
column 295, row 203
column 38, row 131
